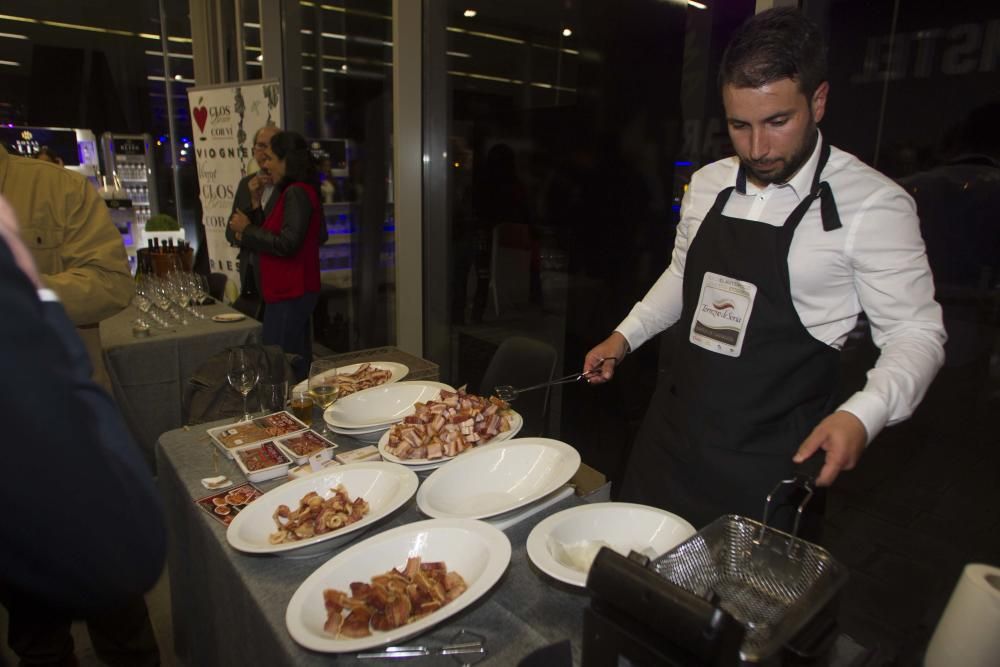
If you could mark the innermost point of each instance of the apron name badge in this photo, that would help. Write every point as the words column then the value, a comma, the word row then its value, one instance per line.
column 722, row 315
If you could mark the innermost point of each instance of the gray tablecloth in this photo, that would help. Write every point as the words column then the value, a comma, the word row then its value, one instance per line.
column 229, row 607
column 148, row 374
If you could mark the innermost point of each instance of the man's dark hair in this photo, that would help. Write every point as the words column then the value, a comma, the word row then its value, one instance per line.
column 300, row 166
column 773, row 45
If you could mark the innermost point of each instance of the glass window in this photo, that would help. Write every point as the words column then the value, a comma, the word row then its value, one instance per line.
column 346, row 51
column 253, row 58
column 99, row 66
column 573, row 128
column 914, row 94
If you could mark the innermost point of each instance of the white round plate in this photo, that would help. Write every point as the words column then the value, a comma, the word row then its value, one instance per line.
column 382, row 405
column 385, row 486
column 517, row 423
column 497, row 478
column 228, row 317
column 398, row 371
column 558, row 541
column 477, row 551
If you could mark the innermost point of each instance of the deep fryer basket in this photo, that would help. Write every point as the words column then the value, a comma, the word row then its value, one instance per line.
column 772, row 582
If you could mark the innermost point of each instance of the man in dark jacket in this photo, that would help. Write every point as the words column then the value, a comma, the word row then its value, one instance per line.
column 253, row 197
column 85, row 535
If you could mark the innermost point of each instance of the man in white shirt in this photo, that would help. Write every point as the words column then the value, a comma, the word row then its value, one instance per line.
column 777, row 252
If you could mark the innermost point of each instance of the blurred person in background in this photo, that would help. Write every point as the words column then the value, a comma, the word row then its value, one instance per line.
column 288, row 245
column 253, row 198
column 46, row 154
column 84, row 535
column 78, row 250
column 959, row 206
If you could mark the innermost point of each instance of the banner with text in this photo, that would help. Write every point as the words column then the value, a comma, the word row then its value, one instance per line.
column 224, row 120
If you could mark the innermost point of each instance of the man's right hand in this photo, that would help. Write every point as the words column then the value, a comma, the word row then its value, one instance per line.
column 605, row 356
column 256, row 186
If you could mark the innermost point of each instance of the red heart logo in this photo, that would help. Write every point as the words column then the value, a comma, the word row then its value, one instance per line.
column 200, row 116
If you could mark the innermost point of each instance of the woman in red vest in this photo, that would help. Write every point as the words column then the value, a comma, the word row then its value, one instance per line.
column 288, row 245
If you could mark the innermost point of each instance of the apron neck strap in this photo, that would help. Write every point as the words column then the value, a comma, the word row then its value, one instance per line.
column 820, row 190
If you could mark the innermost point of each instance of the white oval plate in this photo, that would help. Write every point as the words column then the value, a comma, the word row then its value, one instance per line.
column 477, row 551
column 398, row 371
column 360, row 431
column 517, row 423
column 497, row 478
column 622, row 526
column 382, row 405
column 228, row 317
column 385, row 486
column 368, row 438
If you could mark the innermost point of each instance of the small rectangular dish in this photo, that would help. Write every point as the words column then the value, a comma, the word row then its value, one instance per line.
column 262, row 461
column 300, row 446
column 233, row 436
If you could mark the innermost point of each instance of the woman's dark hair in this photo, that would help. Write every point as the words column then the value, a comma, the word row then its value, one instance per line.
column 300, row 166
column 773, row 45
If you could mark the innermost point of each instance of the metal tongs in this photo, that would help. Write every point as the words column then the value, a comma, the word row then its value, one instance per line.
column 505, row 392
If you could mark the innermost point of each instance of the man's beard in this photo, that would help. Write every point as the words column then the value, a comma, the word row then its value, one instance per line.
column 791, row 165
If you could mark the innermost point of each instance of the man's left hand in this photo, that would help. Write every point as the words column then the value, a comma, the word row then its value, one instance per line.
column 842, row 436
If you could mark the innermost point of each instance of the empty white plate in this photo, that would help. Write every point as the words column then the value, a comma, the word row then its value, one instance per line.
column 564, row 545
column 477, row 551
column 385, row 486
column 384, row 404
column 494, row 479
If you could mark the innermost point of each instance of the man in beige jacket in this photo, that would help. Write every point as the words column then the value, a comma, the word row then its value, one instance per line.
column 77, row 248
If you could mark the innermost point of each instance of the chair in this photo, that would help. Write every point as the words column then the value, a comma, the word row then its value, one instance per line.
column 217, row 285
column 521, row 362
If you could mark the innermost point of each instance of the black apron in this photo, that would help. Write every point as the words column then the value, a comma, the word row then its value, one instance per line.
column 724, row 423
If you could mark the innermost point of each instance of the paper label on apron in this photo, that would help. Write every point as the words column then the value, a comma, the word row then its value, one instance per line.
column 723, row 313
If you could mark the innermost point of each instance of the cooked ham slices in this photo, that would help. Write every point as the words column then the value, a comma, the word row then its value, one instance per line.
column 448, row 426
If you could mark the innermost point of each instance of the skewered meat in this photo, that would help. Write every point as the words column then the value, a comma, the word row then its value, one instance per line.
column 448, row 426
column 365, row 377
column 392, row 599
column 316, row 515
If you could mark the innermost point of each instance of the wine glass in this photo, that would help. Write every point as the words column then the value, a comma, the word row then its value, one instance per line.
column 323, row 386
column 242, row 375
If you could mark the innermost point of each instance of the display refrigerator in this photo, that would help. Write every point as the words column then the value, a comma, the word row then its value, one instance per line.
column 129, row 158
column 130, row 165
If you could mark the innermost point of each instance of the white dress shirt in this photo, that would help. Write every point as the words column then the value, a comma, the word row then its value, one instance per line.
column 876, row 262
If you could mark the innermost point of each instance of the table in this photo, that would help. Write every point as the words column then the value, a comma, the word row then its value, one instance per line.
column 148, row 374
column 228, row 607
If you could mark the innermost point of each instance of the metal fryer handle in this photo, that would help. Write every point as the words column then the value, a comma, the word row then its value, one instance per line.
column 804, row 477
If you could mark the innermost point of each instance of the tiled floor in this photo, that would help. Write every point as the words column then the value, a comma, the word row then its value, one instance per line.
column 158, row 603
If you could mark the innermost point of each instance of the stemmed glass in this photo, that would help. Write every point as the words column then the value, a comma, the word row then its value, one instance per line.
column 243, row 375
column 323, row 387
